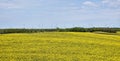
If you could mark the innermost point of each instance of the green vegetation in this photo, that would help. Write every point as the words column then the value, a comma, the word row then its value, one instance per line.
column 75, row 29
column 59, row 46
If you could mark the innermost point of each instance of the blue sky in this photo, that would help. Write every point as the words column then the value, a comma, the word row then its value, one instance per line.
column 59, row 13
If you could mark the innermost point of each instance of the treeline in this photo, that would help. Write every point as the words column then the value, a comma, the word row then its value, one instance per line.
column 79, row 29
column 5, row 31
column 75, row 29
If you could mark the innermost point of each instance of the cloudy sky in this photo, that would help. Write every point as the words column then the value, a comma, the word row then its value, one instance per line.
column 59, row 13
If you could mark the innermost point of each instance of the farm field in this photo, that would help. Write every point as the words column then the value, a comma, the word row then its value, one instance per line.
column 59, row 46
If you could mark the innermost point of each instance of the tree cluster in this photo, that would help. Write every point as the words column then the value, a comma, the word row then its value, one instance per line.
column 74, row 29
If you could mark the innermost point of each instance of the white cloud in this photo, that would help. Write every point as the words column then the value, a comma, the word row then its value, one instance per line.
column 19, row 4
column 112, row 3
column 9, row 5
column 90, row 4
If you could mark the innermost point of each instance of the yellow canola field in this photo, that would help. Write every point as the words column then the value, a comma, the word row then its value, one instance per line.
column 59, row 46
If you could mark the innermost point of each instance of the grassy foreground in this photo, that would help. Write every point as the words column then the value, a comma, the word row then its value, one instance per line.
column 59, row 46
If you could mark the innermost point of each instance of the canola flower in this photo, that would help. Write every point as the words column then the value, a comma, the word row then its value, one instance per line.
column 59, row 46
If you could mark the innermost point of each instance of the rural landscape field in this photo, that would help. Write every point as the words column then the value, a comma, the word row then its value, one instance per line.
column 59, row 30
column 60, row 46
